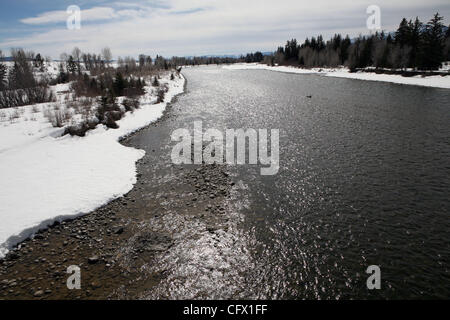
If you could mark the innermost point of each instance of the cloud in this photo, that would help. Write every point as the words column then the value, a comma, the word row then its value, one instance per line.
column 202, row 27
column 93, row 14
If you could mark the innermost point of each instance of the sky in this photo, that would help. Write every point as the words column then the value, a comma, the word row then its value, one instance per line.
column 193, row 27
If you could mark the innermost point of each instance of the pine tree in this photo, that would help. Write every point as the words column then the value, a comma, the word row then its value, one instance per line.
column 291, row 50
column 155, row 82
column 432, row 44
column 403, row 33
column 39, row 61
column 447, row 44
column 142, row 60
column 366, row 53
column 416, row 30
column 389, row 39
column 71, row 65
column 119, row 85
column 62, row 76
column 345, row 45
column 21, row 75
column 384, row 62
column 2, row 76
column 3, row 72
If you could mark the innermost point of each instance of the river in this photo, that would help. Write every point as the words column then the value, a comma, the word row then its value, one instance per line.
column 364, row 180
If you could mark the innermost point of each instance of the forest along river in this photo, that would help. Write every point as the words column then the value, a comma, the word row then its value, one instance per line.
column 364, row 179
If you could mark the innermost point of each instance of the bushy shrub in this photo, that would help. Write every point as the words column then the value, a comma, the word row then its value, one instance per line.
column 109, row 112
column 80, row 129
column 130, row 104
column 160, row 96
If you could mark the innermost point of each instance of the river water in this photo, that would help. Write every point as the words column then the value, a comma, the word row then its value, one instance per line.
column 364, row 180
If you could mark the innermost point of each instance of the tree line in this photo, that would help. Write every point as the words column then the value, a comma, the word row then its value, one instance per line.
column 417, row 45
column 18, row 84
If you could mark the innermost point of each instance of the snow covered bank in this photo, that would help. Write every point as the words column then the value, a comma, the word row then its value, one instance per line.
column 257, row 66
column 47, row 177
column 431, row 81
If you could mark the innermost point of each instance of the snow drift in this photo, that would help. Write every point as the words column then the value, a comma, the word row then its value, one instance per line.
column 46, row 177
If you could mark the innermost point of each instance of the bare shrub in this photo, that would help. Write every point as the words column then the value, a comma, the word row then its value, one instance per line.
column 14, row 115
column 58, row 118
column 72, row 105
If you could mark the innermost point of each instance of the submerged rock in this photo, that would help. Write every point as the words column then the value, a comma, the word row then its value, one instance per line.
column 93, row 260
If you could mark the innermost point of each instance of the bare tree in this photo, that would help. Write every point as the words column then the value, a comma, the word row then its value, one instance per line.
column 120, row 62
column 76, row 53
column 63, row 56
column 107, row 55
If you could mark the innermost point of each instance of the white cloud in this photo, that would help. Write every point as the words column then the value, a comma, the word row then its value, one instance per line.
column 196, row 27
column 93, row 14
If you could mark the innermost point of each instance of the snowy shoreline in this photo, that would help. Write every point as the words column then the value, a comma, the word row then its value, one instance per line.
column 47, row 177
column 429, row 81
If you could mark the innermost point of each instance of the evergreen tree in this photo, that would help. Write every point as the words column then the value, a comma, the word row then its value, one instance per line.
column 432, row 44
column 384, row 61
column 447, row 44
column 366, row 53
column 381, row 54
column 258, row 57
column 403, row 33
column 3, row 72
column 389, row 39
column 413, row 45
column 416, row 30
column 155, row 82
column 291, row 50
column 301, row 61
column 63, row 77
column 71, row 65
column 345, row 45
column 320, row 43
column 119, row 85
column 336, row 42
column 38, row 61
column 142, row 61
column 21, row 75
column 3, row 83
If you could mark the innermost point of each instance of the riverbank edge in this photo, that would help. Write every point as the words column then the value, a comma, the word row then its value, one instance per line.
column 433, row 81
column 13, row 243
